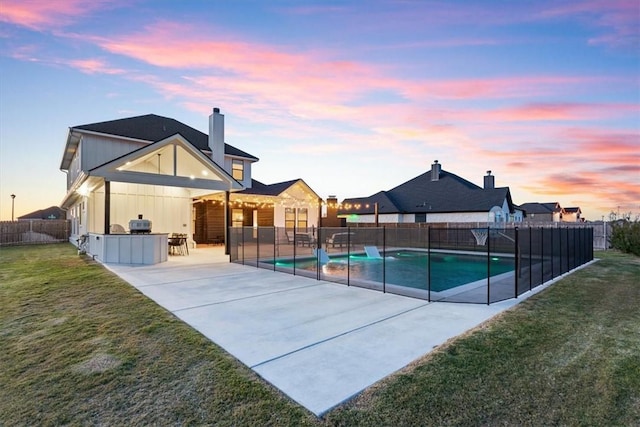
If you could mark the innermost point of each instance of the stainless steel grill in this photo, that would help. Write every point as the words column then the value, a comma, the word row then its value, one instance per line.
column 138, row 226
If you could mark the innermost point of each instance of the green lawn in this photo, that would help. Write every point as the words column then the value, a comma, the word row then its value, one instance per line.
column 80, row 346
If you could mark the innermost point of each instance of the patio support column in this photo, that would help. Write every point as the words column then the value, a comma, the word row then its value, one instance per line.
column 227, row 215
column 107, row 207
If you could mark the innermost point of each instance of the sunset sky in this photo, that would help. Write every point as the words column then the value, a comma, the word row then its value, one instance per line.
column 354, row 97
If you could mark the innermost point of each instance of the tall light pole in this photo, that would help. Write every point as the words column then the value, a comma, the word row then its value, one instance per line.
column 13, row 198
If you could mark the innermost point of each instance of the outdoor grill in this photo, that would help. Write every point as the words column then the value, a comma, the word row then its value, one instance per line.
column 139, row 226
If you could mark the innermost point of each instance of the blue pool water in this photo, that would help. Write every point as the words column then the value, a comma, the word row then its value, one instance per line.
column 409, row 268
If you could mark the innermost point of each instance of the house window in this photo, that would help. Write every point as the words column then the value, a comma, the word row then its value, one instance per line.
column 237, row 170
column 421, row 217
column 289, row 218
column 302, row 218
column 236, row 218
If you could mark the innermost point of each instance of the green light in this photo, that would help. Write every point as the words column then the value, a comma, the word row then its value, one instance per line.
column 495, row 259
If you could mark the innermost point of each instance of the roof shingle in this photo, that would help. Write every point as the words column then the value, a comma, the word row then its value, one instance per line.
column 152, row 127
column 449, row 193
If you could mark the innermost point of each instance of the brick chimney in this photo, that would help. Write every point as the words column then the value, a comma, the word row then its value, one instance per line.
column 435, row 171
column 216, row 137
column 489, row 181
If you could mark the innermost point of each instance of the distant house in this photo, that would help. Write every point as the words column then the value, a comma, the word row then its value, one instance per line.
column 52, row 212
column 182, row 180
column 551, row 212
column 435, row 196
column 572, row 214
column 543, row 212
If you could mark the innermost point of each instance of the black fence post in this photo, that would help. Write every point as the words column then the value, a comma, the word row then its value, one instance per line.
column 348, row 256
column 517, row 254
column 257, row 247
column 488, row 265
column 552, row 260
column 317, row 263
column 530, row 261
column 581, row 246
column 242, row 233
column 428, row 263
column 560, row 251
column 384, row 264
column 541, row 255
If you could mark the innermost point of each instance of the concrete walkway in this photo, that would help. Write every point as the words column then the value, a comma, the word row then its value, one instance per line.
column 320, row 343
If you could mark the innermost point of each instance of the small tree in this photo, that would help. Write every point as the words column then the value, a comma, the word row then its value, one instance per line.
column 625, row 236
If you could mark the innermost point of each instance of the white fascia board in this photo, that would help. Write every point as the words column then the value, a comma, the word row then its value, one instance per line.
column 70, row 149
column 169, row 180
column 110, row 170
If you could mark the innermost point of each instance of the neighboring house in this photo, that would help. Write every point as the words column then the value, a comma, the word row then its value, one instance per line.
column 166, row 171
column 436, row 196
column 572, row 214
column 543, row 212
column 52, row 212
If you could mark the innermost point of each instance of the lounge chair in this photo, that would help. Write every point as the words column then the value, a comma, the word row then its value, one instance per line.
column 301, row 239
column 305, row 239
column 340, row 239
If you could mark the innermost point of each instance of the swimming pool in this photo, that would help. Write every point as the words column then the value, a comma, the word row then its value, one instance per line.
column 409, row 268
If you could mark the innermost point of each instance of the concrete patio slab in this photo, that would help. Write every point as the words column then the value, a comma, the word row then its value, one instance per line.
column 319, row 342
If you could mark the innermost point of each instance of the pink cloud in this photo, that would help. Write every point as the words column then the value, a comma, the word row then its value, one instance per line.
column 41, row 14
column 619, row 18
column 94, row 66
column 596, row 185
column 562, row 111
column 498, row 87
column 597, row 167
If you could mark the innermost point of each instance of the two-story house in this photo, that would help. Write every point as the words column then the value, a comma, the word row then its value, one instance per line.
column 181, row 179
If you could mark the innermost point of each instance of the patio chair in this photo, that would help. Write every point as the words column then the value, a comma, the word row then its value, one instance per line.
column 304, row 239
column 290, row 238
column 178, row 244
column 340, row 239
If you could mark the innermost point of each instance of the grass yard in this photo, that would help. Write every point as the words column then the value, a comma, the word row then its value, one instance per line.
column 80, row 346
column 568, row 356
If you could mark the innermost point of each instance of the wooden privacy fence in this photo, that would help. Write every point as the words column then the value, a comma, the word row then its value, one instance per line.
column 34, row 231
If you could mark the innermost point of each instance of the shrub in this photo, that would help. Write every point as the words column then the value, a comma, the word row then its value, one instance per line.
column 625, row 236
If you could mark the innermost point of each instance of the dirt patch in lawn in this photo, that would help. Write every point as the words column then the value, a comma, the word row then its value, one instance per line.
column 98, row 363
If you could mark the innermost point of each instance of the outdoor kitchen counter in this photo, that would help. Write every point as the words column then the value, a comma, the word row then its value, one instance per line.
column 147, row 248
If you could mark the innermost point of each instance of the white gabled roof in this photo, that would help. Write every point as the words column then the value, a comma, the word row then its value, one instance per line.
column 172, row 162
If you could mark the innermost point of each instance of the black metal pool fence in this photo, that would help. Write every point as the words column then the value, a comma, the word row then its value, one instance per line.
column 533, row 256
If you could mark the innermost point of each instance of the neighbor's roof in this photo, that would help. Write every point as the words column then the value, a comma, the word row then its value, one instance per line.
column 574, row 209
column 450, row 193
column 541, row 208
column 260, row 189
column 366, row 205
column 52, row 212
column 154, row 128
